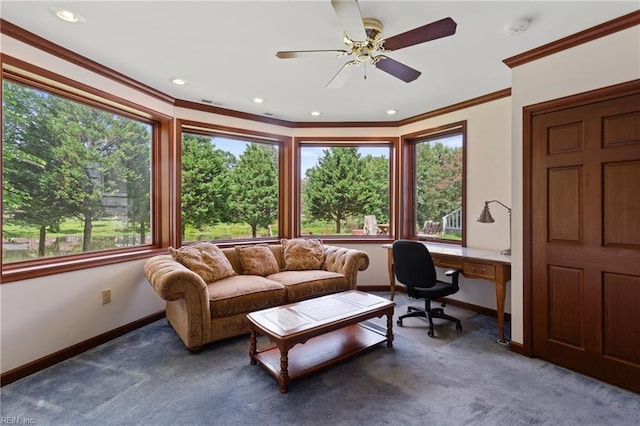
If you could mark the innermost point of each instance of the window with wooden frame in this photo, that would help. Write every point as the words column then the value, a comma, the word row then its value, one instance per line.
column 434, row 184
column 78, row 176
column 231, row 184
column 343, row 187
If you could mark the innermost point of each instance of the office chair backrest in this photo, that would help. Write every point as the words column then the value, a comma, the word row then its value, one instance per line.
column 413, row 265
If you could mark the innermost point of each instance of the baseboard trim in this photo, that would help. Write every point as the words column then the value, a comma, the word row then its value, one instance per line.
column 460, row 304
column 64, row 354
column 519, row 349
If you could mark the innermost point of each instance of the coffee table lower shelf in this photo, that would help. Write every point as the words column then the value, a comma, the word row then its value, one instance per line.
column 321, row 351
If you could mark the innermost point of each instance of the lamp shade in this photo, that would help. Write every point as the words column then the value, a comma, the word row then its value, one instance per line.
column 485, row 216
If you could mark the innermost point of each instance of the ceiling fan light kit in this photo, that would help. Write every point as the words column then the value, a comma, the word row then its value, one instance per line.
column 364, row 39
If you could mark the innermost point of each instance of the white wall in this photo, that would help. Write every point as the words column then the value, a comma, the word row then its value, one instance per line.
column 41, row 316
column 603, row 62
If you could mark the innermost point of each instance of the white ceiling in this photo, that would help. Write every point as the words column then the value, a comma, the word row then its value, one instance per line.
column 226, row 49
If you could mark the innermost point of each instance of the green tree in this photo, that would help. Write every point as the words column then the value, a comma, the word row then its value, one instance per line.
column 28, row 156
column 378, row 205
column 339, row 186
column 132, row 162
column 205, row 182
column 80, row 162
column 438, row 181
column 255, row 187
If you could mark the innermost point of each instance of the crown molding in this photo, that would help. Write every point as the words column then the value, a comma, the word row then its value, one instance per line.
column 45, row 45
column 590, row 34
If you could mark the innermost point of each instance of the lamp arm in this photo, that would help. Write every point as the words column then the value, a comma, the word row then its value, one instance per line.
column 503, row 205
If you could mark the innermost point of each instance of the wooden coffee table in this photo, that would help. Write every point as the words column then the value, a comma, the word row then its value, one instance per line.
column 330, row 327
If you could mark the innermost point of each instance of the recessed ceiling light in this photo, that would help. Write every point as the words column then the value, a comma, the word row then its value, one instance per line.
column 315, row 113
column 178, row 81
column 392, row 111
column 516, row 27
column 66, row 15
column 257, row 100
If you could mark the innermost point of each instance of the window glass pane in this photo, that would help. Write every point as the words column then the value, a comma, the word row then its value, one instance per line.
column 438, row 187
column 75, row 179
column 344, row 190
column 230, row 188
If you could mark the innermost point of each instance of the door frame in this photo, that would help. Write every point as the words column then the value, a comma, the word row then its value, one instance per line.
column 528, row 114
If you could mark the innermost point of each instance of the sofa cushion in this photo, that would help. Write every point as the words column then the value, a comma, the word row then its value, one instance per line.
column 244, row 294
column 257, row 259
column 300, row 254
column 302, row 285
column 205, row 259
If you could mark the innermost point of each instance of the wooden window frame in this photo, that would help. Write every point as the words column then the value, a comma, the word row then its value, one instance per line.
column 21, row 72
column 335, row 141
column 407, row 178
column 208, row 129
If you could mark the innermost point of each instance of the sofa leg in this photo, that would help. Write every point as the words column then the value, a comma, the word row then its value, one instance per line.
column 196, row 349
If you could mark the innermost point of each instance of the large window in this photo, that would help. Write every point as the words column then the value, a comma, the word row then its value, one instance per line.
column 438, row 158
column 230, row 186
column 344, row 188
column 76, row 174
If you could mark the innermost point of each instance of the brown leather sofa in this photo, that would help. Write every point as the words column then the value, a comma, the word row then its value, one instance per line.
column 202, row 312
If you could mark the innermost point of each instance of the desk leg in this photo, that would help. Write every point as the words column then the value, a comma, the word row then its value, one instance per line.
column 501, row 291
column 392, row 278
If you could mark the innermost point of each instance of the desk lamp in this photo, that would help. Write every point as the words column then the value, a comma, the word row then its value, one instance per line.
column 485, row 217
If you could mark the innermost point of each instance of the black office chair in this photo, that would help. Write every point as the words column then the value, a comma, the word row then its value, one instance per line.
column 413, row 267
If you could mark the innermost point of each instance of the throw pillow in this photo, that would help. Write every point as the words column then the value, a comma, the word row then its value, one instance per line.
column 205, row 259
column 300, row 254
column 257, row 259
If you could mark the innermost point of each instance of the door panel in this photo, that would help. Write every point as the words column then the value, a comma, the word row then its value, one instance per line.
column 585, row 250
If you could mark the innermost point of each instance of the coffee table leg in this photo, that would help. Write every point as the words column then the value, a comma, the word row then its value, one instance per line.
column 253, row 345
column 390, row 328
column 284, row 371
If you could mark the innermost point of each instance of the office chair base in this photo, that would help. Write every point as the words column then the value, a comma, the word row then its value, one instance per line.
column 429, row 314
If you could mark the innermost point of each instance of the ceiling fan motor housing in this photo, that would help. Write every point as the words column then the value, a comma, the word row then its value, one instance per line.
column 363, row 49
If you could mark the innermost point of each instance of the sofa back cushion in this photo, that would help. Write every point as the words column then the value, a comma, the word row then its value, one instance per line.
column 301, row 254
column 205, row 259
column 257, row 259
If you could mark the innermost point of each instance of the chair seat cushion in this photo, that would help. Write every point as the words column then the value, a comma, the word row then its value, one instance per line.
column 302, row 285
column 440, row 289
column 244, row 294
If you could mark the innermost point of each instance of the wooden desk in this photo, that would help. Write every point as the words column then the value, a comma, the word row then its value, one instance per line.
column 474, row 263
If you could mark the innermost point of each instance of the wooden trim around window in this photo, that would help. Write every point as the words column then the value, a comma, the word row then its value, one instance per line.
column 33, row 76
column 407, row 178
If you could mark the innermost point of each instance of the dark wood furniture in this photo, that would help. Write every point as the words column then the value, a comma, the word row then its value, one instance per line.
column 474, row 263
column 315, row 333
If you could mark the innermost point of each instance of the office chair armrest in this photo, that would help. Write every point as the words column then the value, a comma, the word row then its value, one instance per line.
column 454, row 274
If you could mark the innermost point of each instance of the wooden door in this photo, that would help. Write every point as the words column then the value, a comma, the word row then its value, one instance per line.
column 585, row 226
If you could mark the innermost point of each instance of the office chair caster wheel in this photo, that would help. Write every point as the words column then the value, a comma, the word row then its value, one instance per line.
column 430, row 333
column 399, row 322
column 459, row 327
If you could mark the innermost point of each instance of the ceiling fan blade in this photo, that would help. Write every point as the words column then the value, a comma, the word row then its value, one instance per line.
column 442, row 28
column 348, row 12
column 291, row 54
column 342, row 75
column 397, row 69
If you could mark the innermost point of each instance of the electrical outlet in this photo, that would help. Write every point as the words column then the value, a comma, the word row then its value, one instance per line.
column 106, row 296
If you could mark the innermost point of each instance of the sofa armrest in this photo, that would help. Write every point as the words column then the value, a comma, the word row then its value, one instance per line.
column 174, row 281
column 345, row 261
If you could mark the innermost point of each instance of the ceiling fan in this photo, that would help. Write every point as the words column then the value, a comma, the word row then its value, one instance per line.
column 364, row 40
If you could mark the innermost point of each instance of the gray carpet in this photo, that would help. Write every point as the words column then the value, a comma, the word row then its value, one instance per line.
column 147, row 377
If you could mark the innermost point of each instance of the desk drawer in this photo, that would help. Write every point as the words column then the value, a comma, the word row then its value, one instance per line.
column 447, row 262
column 480, row 270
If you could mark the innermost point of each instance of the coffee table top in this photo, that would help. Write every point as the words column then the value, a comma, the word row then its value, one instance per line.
column 303, row 316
